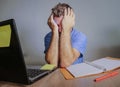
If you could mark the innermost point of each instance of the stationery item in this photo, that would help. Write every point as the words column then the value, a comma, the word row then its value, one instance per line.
column 114, row 73
column 5, row 36
column 95, row 65
column 48, row 67
column 66, row 74
column 92, row 68
column 108, row 63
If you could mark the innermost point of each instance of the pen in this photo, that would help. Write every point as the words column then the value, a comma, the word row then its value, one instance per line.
column 106, row 76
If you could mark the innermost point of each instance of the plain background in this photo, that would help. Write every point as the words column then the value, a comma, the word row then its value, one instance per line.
column 98, row 19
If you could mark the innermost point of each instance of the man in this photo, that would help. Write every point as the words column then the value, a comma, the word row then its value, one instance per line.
column 63, row 45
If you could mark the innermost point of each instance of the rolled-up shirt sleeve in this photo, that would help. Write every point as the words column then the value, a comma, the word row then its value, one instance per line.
column 47, row 41
column 79, row 42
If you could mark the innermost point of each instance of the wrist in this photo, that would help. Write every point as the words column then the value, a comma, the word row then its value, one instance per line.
column 65, row 33
column 55, row 32
column 66, row 30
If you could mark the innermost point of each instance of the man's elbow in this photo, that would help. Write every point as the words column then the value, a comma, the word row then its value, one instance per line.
column 51, row 61
column 47, row 59
column 65, row 64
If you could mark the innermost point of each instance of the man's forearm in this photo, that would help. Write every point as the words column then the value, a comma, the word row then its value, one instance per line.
column 66, row 51
column 52, row 53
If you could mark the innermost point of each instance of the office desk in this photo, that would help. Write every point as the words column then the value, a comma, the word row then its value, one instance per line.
column 56, row 79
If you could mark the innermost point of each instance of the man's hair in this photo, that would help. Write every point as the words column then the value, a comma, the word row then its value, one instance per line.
column 58, row 10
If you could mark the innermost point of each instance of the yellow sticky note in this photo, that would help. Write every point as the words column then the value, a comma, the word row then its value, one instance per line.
column 5, row 35
column 48, row 67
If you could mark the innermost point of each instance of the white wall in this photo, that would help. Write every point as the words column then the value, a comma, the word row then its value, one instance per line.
column 98, row 19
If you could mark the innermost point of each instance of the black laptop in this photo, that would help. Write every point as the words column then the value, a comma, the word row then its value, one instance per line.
column 12, row 64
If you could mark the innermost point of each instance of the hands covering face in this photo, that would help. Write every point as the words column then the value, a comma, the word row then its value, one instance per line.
column 52, row 23
column 67, row 22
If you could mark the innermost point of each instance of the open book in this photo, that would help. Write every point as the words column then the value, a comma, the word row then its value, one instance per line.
column 91, row 68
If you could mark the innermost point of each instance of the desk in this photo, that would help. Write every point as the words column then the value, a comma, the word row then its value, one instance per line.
column 56, row 79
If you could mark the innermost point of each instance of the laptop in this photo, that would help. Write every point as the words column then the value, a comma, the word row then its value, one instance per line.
column 12, row 64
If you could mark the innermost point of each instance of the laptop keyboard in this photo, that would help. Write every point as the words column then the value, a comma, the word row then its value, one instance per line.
column 34, row 72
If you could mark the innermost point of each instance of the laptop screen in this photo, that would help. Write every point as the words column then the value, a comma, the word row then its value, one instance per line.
column 10, row 49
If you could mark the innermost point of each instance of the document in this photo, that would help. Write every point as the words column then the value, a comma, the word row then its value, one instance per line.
column 95, row 67
column 5, row 35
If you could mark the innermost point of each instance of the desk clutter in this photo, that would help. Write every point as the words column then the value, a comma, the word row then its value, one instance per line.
column 95, row 67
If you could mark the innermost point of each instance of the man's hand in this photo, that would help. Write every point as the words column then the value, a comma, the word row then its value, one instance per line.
column 52, row 23
column 68, row 20
column 51, row 55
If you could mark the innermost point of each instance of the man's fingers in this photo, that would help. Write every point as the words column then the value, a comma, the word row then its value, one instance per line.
column 65, row 12
column 69, row 12
column 50, row 18
column 72, row 13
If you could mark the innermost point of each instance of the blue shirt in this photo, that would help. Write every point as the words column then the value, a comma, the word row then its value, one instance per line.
column 78, row 41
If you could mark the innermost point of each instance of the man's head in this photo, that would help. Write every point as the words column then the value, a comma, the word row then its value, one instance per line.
column 58, row 12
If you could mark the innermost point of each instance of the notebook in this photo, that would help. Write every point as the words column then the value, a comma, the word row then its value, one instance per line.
column 12, row 64
column 95, row 67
